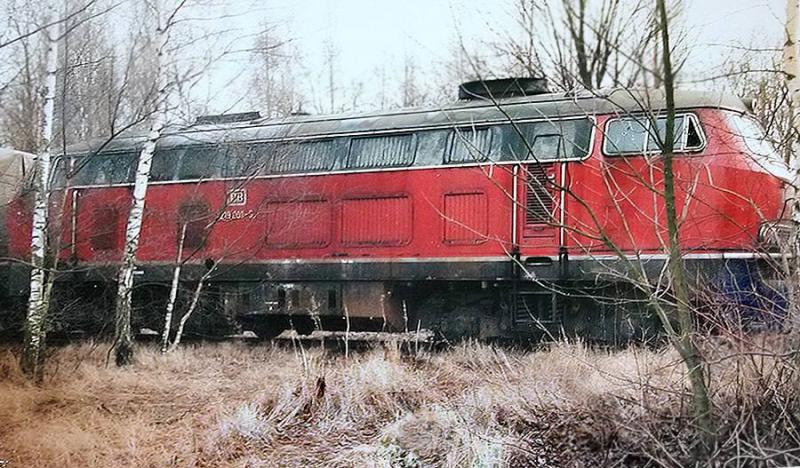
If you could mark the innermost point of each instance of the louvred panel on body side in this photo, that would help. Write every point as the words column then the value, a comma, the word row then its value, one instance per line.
column 378, row 221
column 465, row 218
column 298, row 223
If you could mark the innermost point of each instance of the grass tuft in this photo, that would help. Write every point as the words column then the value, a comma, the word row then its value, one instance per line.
column 473, row 405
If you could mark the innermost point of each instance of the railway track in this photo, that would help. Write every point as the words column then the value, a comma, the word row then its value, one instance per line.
column 422, row 339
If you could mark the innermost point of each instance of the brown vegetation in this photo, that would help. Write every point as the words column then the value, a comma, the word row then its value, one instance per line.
column 473, row 405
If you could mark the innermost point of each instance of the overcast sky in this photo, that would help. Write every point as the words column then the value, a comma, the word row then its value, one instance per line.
column 370, row 34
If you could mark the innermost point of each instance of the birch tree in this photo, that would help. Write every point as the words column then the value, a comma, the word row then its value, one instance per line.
column 791, row 69
column 123, row 340
column 185, row 318
column 32, row 358
column 173, row 292
column 167, row 20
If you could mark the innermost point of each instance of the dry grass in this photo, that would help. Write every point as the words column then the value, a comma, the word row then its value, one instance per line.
column 473, row 405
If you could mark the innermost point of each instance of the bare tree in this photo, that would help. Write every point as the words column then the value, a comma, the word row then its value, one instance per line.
column 82, row 101
column 20, row 97
column 274, row 83
column 577, row 43
column 192, row 307
column 791, row 69
column 684, row 339
column 16, row 36
column 670, row 298
column 89, row 84
column 331, row 62
column 411, row 91
column 32, row 358
column 123, row 341
column 173, row 82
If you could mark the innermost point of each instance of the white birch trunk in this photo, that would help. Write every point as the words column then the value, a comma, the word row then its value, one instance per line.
column 173, row 293
column 123, row 342
column 195, row 299
column 38, row 302
column 791, row 68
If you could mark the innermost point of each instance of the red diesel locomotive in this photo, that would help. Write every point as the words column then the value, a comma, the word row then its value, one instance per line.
column 512, row 211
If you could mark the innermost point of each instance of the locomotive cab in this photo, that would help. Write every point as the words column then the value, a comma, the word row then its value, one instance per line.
column 760, row 155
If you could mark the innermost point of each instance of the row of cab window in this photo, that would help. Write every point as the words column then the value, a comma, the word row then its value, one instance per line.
column 551, row 140
column 531, row 141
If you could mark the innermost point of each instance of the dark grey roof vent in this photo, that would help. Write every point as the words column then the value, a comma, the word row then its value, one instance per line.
column 502, row 88
column 227, row 118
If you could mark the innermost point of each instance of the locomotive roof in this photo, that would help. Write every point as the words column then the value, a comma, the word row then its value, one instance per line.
column 543, row 106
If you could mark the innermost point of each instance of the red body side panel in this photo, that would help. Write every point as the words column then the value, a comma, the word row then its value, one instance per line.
column 366, row 215
column 446, row 212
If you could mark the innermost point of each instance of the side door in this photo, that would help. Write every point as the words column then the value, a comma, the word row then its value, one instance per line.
column 538, row 206
column 540, row 194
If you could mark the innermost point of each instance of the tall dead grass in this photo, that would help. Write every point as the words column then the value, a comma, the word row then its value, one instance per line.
column 473, row 405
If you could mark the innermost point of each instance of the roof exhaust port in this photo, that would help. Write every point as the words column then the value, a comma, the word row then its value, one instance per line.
column 502, row 88
column 219, row 119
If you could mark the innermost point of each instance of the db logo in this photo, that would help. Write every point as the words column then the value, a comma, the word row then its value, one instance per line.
column 237, row 197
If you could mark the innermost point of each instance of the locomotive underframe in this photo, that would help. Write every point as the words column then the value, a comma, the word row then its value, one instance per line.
column 530, row 298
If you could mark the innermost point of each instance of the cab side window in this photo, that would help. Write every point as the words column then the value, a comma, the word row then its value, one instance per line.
column 642, row 134
column 59, row 174
column 625, row 136
column 202, row 162
column 106, row 169
column 382, row 151
column 165, row 164
column 470, row 144
column 548, row 140
column 657, row 138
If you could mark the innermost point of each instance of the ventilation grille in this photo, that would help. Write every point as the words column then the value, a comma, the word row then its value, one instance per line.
column 538, row 198
column 535, row 308
column 466, row 218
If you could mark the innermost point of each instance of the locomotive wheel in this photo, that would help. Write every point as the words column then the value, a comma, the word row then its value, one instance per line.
column 303, row 325
column 268, row 329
